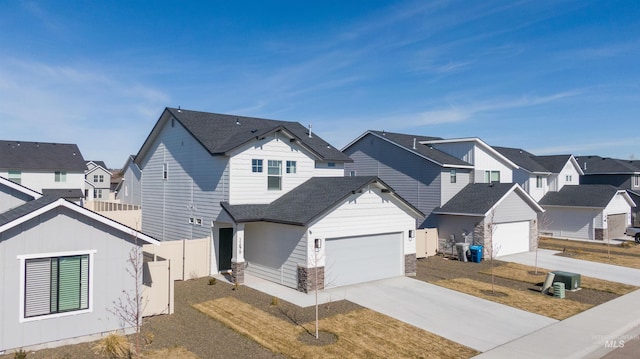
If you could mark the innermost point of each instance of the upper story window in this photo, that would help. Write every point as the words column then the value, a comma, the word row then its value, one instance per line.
column 491, row 176
column 60, row 176
column 291, row 166
column 453, row 176
column 538, row 181
column 165, row 171
column 274, row 175
column 636, row 181
column 15, row 176
column 352, row 173
column 256, row 165
column 56, row 284
column 568, row 178
column 331, row 164
column 98, row 178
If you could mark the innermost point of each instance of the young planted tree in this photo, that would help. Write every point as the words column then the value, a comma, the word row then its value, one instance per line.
column 486, row 230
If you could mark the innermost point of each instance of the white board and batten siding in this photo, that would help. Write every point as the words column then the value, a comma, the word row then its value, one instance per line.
column 37, row 180
column 195, row 185
column 274, row 251
column 249, row 187
column 57, row 233
column 365, row 225
column 618, row 205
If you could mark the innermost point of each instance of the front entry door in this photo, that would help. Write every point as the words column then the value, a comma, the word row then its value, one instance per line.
column 226, row 249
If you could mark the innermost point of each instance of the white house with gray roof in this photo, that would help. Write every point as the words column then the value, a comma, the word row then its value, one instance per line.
column 193, row 161
column 50, row 168
column 97, row 179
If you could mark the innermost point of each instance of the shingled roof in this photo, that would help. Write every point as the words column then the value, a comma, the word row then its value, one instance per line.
column 522, row 158
column 477, row 199
column 306, row 202
column 407, row 142
column 220, row 133
column 605, row 165
column 21, row 155
column 585, row 195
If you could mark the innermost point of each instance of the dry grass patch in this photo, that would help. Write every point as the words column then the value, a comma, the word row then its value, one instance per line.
column 361, row 333
column 614, row 259
column 531, row 301
column 523, row 273
column 170, row 353
column 627, row 248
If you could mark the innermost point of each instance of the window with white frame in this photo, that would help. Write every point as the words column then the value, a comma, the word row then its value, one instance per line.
column 274, row 175
column 60, row 176
column 568, row 178
column 352, row 173
column 15, row 176
column 538, row 181
column 291, row 166
column 256, row 165
column 453, row 176
column 636, row 181
column 165, row 171
column 97, row 193
column 491, row 176
column 55, row 284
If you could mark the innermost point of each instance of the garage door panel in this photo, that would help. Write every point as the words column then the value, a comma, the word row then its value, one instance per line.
column 510, row 238
column 359, row 259
column 616, row 225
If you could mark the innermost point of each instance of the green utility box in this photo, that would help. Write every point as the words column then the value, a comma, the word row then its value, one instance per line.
column 571, row 280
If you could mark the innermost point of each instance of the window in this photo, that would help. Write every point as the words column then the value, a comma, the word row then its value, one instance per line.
column 352, row 173
column 165, row 171
column 15, row 176
column 453, row 176
column 331, row 164
column 97, row 193
column 636, row 181
column 291, row 166
column 198, row 221
column 60, row 176
column 256, row 165
column 101, row 178
column 568, row 178
column 54, row 285
column 538, row 181
column 274, row 175
column 191, row 220
column 491, row 176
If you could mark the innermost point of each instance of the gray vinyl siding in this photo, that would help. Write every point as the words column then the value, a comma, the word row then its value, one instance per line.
column 63, row 230
column 513, row 209
column 455, row 225
column 197, row 182
column 414, row 178
column 463, row 178
column 274, row 251
column 133, row 182
column 10, row 198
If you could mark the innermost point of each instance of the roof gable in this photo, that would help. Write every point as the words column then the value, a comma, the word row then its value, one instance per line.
column 412, row 143
column 44, row 204
column 308, row 201
column 478, row 199
column 476, row 142
column 219, row 134
column 585, row 195
column 20, row 188
column 43, row 156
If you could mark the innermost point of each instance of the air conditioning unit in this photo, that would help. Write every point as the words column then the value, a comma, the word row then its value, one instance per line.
column 571, row 280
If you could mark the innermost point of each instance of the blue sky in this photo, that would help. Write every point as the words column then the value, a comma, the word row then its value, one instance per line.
column 548, row 76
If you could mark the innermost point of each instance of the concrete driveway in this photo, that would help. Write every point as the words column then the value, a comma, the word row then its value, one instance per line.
column 547, row 260
column 468, row 320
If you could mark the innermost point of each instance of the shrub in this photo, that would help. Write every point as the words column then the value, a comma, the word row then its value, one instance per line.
column 20, row 354
column 113, row 345
column 212, row 281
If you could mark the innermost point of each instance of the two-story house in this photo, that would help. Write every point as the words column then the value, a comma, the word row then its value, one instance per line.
column 97, row 179
column 129, row 189
column 463, row 186
column 540, row 174
column 272, row 197
column 622, row 174
column 56, row 169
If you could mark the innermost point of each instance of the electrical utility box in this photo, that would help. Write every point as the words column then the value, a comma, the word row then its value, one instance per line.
column 571, row 280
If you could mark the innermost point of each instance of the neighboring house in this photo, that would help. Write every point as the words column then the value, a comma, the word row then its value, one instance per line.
column 54, row 167
column 622, row 174
column 97, row 179
column 129, row 190
column 540, row 174
column 192, row 161
column 437, row 175
column 504, row 212
column 595, row 212
column 62, row 267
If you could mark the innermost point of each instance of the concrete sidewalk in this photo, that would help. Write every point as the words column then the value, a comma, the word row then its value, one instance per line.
column 547, row 260
column 590, row 334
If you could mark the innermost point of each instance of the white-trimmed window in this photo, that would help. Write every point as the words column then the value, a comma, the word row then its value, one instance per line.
column 274, row 175
column 568, row 178
column 55, row 284
column 636, row 181
column 15, row 176
column 97, row 193
column 538, row 181
column 453, row 176
column 165, row 171
column 491, row 176
column 60, row 176
column 331, row 164
column 256, row 165
column 352, row 173
column 291, row 166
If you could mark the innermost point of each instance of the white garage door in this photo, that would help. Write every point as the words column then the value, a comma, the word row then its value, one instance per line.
column 360, row 259
column 510, row 238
